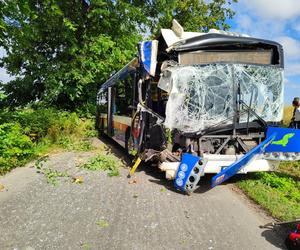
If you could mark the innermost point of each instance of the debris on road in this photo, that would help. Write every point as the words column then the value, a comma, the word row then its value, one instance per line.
column 102, row 223
column 1, row 187
column 132, row 181
column 186, row 213
column 77, row 179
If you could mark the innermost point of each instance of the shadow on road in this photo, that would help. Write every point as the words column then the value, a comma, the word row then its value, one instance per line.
column 276, row 236
column 116, row 149
column 158, row 176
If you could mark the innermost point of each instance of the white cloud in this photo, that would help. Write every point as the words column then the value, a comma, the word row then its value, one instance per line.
column 291, row 46
column 273, row 20
column 273, row 9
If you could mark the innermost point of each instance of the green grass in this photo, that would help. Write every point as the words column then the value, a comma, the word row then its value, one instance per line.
column 107, row 163
column 277, row 192
column 102, row 223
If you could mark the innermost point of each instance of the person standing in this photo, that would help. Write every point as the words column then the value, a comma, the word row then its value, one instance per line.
column 295, row 123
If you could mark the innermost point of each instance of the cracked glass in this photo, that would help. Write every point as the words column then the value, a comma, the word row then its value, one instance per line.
column 202, row 96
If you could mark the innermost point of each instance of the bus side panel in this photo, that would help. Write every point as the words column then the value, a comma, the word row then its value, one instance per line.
column 120, row 126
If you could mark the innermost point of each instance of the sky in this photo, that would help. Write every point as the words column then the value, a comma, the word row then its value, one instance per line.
column 4, row 77
column 277, row 20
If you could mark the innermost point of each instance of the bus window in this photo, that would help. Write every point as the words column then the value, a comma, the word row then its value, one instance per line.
column 102, row 102
column 123, row 98
column 102, row 108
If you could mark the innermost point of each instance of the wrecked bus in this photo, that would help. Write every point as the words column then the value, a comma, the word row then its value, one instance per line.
column 198, row 103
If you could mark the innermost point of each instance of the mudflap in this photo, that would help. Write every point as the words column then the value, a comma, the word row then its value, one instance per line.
column 231, row 170
column 189, row 172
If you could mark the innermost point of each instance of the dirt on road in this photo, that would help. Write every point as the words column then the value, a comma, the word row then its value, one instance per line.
column 116, row 213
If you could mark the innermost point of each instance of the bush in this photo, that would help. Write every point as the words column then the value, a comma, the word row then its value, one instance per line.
column 38, row 123
column 24, row 132
column 15, row 147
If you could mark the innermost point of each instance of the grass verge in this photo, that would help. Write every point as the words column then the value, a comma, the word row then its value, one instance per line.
column 277, row 192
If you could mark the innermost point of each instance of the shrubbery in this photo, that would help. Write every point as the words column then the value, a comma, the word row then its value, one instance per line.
column 15, row 146
column 26, row 132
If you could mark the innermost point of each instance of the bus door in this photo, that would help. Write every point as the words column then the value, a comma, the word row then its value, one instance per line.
column 119, row 112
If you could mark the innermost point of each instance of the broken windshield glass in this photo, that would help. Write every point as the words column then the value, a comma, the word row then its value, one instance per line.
column 202, row 96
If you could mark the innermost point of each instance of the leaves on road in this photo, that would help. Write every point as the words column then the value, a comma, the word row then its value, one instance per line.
column 77, row 179
column 102, row 223
column 86, row 246
column 132, row 181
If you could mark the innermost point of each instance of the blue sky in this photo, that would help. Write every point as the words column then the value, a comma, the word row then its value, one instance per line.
column 277, row 20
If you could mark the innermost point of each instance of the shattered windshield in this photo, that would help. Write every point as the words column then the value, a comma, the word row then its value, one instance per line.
column 202, row 96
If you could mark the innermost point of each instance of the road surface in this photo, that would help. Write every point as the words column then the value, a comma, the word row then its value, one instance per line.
column 109, row 213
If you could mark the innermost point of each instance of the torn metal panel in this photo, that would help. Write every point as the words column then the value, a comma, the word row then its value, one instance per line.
column 177, row 33
column 202, row 96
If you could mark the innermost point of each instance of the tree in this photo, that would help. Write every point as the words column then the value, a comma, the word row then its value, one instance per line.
column 60, row 51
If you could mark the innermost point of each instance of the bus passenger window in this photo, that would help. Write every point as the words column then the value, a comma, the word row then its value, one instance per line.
column 123, row 98
column 102, row 102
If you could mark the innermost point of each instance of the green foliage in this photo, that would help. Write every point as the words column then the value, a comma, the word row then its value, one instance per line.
column 102, row 223
column 31, row 132
column 104, row 162
column 74, row 143
column 15, row 147
column 86, row 246
column 291, row 168
column 52, row 175
column 193, row 15
column 49, row 122
column 277, row 192
column 60, row 51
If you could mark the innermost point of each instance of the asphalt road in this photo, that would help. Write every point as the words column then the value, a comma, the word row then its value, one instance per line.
column 109, row 213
